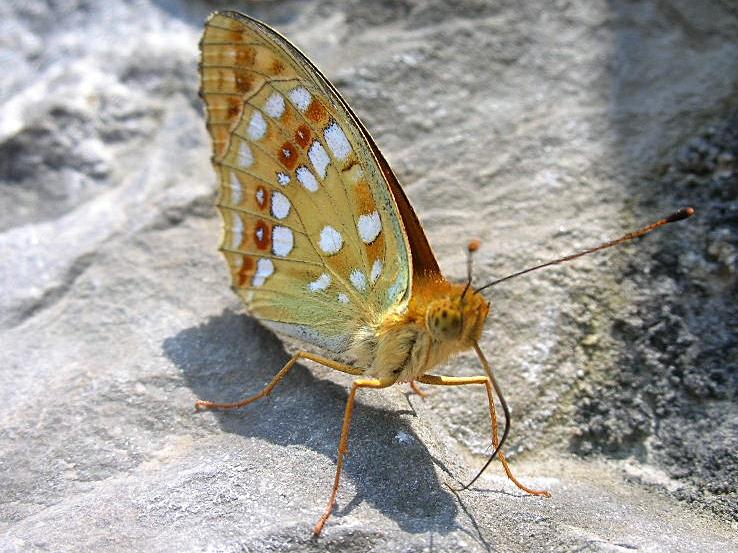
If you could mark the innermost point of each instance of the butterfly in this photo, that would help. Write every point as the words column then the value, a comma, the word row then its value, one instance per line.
column 321, row 242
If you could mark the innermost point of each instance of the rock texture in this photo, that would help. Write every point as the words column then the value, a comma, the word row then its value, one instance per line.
column 540, row 128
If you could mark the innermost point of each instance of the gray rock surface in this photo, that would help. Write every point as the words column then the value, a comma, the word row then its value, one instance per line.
column 540, row 128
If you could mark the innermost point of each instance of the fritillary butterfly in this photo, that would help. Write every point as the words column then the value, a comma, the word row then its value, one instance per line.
column 320, row 239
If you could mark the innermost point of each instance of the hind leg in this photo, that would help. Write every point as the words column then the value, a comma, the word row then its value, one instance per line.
column 203, row 404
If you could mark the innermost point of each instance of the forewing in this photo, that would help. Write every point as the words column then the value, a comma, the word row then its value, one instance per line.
column 312, row 234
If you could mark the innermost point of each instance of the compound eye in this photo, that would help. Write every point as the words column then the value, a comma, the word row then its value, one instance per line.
column 444, row 322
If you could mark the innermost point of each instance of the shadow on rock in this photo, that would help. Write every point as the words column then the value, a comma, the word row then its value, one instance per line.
column 232, row 356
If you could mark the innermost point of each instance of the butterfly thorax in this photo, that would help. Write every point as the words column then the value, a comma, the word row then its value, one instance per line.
column 408, row 341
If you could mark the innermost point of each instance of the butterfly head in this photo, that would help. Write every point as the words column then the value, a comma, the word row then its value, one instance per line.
column 457, row 316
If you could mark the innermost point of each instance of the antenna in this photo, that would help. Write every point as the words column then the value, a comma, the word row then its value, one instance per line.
column 683, row 213
column 680, row 214
column 470, row 249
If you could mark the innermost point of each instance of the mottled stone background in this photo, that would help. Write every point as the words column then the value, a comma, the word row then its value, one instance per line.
column 539, row 127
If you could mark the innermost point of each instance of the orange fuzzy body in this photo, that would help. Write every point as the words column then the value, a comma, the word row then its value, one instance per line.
column 438, row 322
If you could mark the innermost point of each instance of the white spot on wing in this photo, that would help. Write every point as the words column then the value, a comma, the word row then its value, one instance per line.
column 307, row 179
column 300, row 97
column 358, row 279
column 319, row 158
column 237, row 231
column 236, row 190
column 320, row 283
column 245, row 156
column 260, row 197
column 274, row 105
column 280, row 205
column 331, row 241
column 394, row 291
column 337, row 141
column 283, row 179
column 369, row 227
column 257, row 126
column 282, row 241
column 264, row 269
column 376, row 270
column 343, row 298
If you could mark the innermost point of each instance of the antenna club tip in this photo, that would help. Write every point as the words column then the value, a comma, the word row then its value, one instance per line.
column 680, row 214
column 473, row 245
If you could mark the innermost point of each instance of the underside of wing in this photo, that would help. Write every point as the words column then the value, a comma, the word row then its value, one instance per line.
column 312, row 234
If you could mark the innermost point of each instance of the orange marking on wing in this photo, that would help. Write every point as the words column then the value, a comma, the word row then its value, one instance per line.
column 247, row 270
column 302, row 135
column 288, row 155
column 364, row 198
column 262, row 235
column 277, row 67
column 234, row 108
column 245, row 56
column 235, row 35
column 244, row 80
column 375, row 250
column 315, row 111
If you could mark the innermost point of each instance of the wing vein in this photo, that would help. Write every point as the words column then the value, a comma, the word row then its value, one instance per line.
column 353, row 232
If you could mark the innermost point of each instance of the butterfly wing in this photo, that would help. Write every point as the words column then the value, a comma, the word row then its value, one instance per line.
column 424, row 262
column 313, row 235
column 425, row 265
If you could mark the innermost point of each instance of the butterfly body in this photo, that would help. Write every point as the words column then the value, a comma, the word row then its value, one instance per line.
column 439, row 321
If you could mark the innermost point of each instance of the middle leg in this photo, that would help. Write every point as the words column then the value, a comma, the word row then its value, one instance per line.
column 343, row 443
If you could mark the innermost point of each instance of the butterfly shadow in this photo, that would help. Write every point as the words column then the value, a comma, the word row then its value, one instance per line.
column 232, row 356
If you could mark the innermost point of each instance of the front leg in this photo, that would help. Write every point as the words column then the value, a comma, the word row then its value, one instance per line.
column 464, row 380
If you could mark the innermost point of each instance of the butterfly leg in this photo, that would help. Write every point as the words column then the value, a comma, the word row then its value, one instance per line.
column 202, row 404
column 415, row 388
column 461, row 381
column 343, row 443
